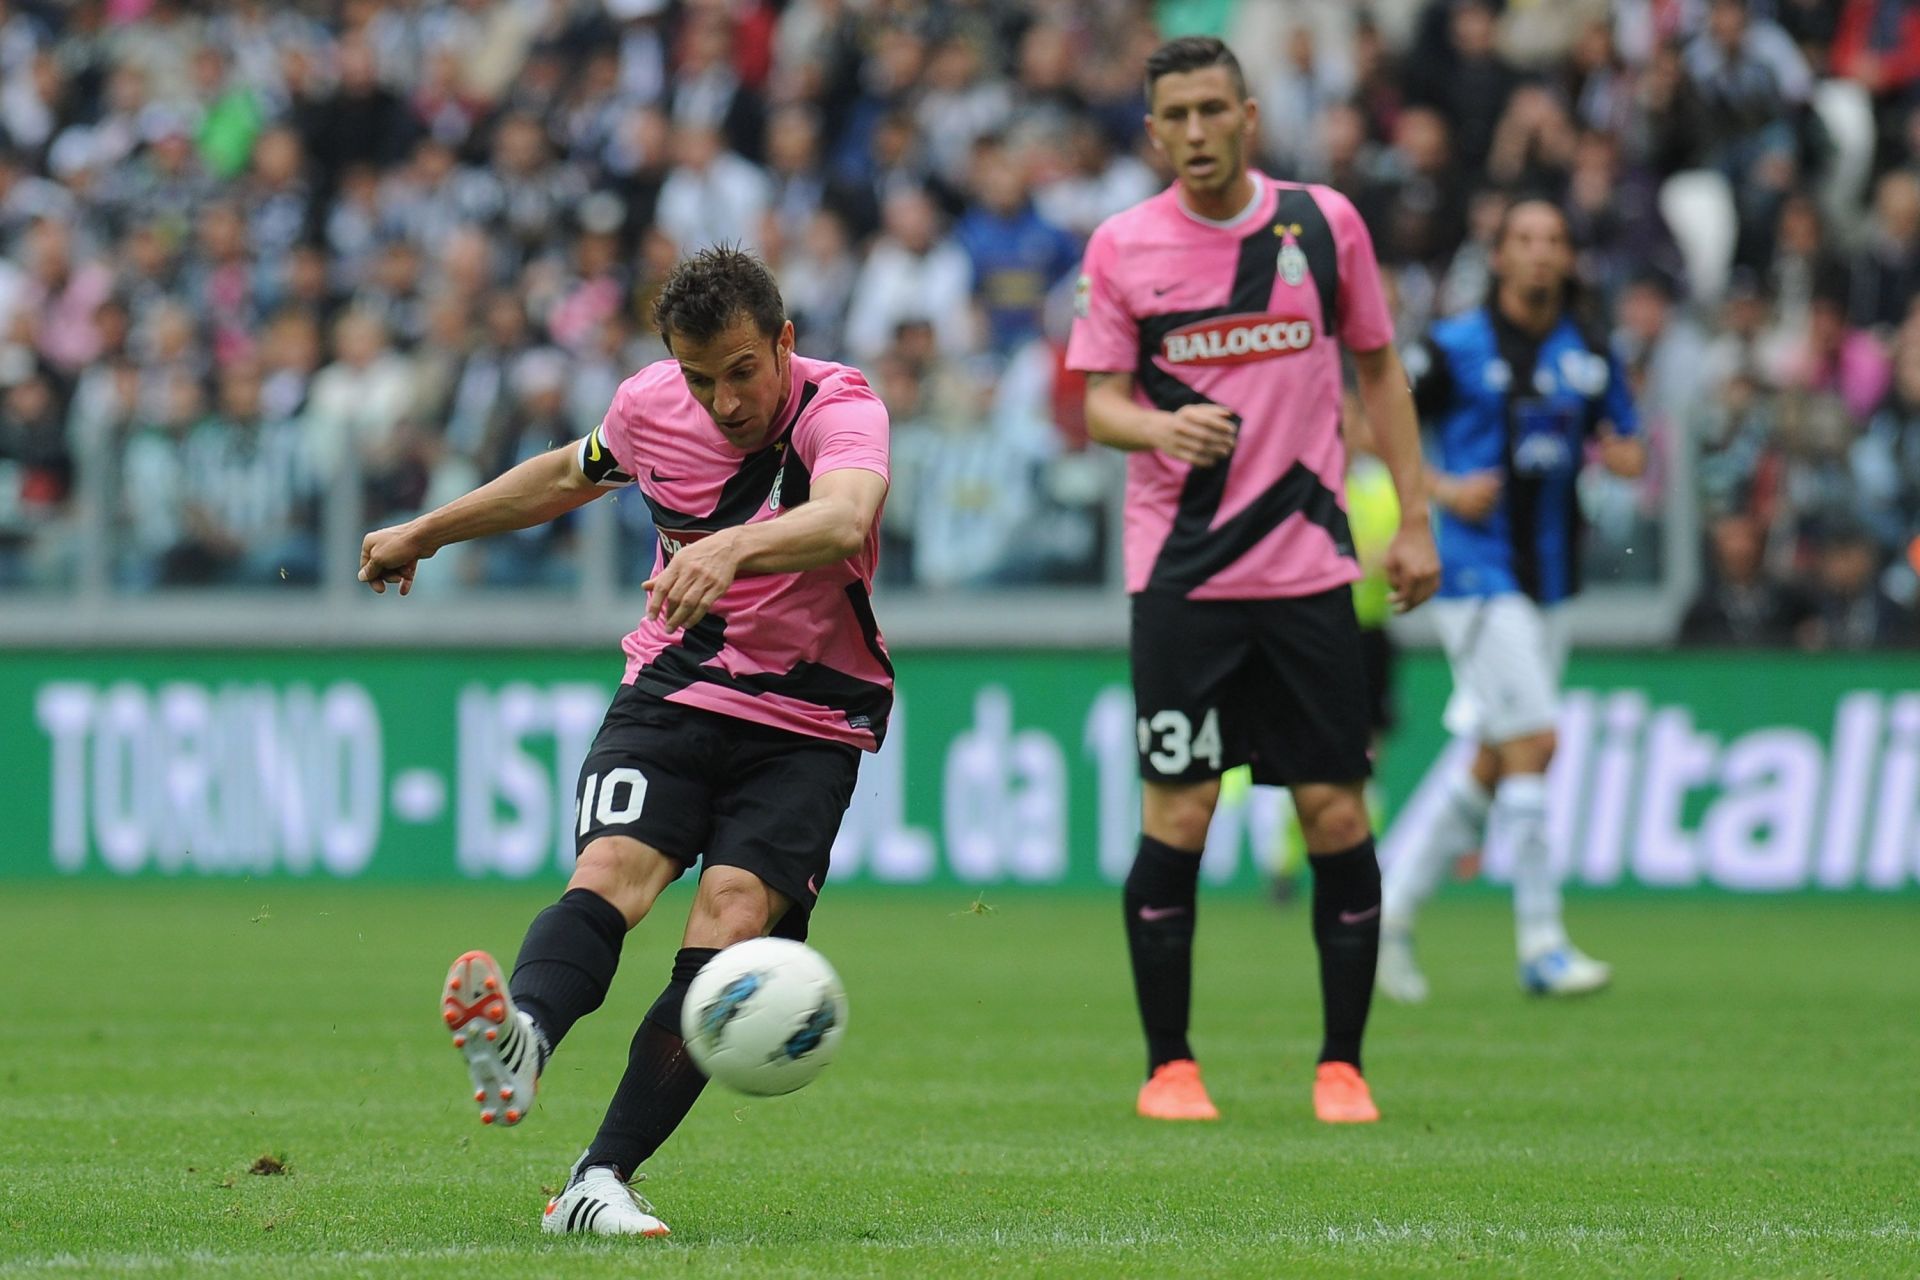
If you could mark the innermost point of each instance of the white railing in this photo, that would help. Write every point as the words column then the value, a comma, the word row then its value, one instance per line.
column 341, row 613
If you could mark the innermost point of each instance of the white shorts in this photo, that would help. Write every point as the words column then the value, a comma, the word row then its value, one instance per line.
column 1508, row 655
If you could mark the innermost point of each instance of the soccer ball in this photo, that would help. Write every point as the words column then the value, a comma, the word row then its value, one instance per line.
column 765, row 1016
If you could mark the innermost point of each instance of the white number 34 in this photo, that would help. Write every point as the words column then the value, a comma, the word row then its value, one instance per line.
column 1177, row 745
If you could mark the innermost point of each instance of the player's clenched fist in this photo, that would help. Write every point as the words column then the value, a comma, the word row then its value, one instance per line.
column 1413, row 566
column 1201, row 434
column 697, row 576
column 391, row 555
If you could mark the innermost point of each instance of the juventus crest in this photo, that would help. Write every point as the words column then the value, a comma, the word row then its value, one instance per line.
column 1293, row 263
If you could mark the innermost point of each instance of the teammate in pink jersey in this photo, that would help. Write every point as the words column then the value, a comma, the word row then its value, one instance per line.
column 754, row 681
column 1210, row 322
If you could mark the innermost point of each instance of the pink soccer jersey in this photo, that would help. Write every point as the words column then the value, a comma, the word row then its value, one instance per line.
column 798, row 651
column 1237, row 314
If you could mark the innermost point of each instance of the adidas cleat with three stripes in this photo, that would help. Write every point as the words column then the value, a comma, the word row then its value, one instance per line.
column 499, row 1042
column 597, row 1203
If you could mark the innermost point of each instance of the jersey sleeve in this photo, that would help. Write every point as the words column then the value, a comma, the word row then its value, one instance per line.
column 1106, row 336
column 1365, row 322
column 606, row 455
column 845, row 429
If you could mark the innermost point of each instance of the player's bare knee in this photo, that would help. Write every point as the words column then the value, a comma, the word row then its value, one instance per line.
column 1529, row 754
column 1179, row 815
column 604, row 880
column 1332, row 818
column 626, row 873
column 1486, row 767
column 730, row 907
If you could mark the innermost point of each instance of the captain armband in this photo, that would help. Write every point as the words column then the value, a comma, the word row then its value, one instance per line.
column 598, row 463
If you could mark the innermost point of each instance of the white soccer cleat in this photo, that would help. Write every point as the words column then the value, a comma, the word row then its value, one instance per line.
column 1398, row 977
column 1564, row 971
column 499, row 1042
column 597, row 1203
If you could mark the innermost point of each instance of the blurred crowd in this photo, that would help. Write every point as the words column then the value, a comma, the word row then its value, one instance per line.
column 272, row 271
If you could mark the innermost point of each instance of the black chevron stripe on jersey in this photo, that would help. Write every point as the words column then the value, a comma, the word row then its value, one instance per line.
column 679, row 666
column 796, row 480
column 1194, row 550
column 1298, row 208
column 747, row 489
column 869, row 625
column 1194, row 553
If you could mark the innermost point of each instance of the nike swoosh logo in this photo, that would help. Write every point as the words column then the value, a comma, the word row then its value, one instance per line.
column 1359, row 917
column 1151, row 914
column 660, row 479
column 1163, row 290
column 812, row 888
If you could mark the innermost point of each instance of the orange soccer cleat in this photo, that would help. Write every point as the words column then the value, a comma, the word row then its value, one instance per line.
column 1340, row 1096
column 1174, row 1092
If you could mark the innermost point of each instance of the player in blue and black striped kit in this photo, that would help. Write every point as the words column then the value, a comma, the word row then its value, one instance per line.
column 1514, row 395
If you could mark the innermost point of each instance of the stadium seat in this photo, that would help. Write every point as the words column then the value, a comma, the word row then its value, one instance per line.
column 1698, row 207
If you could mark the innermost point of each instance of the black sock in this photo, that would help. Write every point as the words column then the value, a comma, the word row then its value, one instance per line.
column 1159, row 902
column 566, row 963
column 1346, row 928
column 661, row 1083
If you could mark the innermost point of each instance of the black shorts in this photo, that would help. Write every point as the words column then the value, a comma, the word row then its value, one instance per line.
column 698, row 786
column 1277, row 684
column 1376, row 647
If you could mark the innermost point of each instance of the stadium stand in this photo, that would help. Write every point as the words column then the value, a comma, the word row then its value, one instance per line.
column 273, row 273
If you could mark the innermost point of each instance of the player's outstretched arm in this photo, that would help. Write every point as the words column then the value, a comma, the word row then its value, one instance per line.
column 1200, row 434
column 1471, row 496
column 538, row 490
column 1413, row 562
column 831, row 525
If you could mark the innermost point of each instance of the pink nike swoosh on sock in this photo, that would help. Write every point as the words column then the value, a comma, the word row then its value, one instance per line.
column 1359, row 917
column 1151, row 914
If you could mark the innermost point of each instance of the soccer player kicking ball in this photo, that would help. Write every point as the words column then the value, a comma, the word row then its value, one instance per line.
column 1513, row 391
column 753, row 682
column 1208, row 323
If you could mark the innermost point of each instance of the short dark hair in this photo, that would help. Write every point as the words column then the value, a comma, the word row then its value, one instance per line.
column 1522, row 199
column 1192, row 53
column 707, row 292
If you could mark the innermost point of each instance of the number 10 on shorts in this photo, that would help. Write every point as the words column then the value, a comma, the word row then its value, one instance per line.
column 622, row 795
column 1168, row 740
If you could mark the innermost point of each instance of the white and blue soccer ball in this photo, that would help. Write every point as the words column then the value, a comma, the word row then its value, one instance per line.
column 765, row 1016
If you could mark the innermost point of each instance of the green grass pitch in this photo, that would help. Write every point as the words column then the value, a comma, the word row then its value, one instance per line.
column 1745, row 1103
